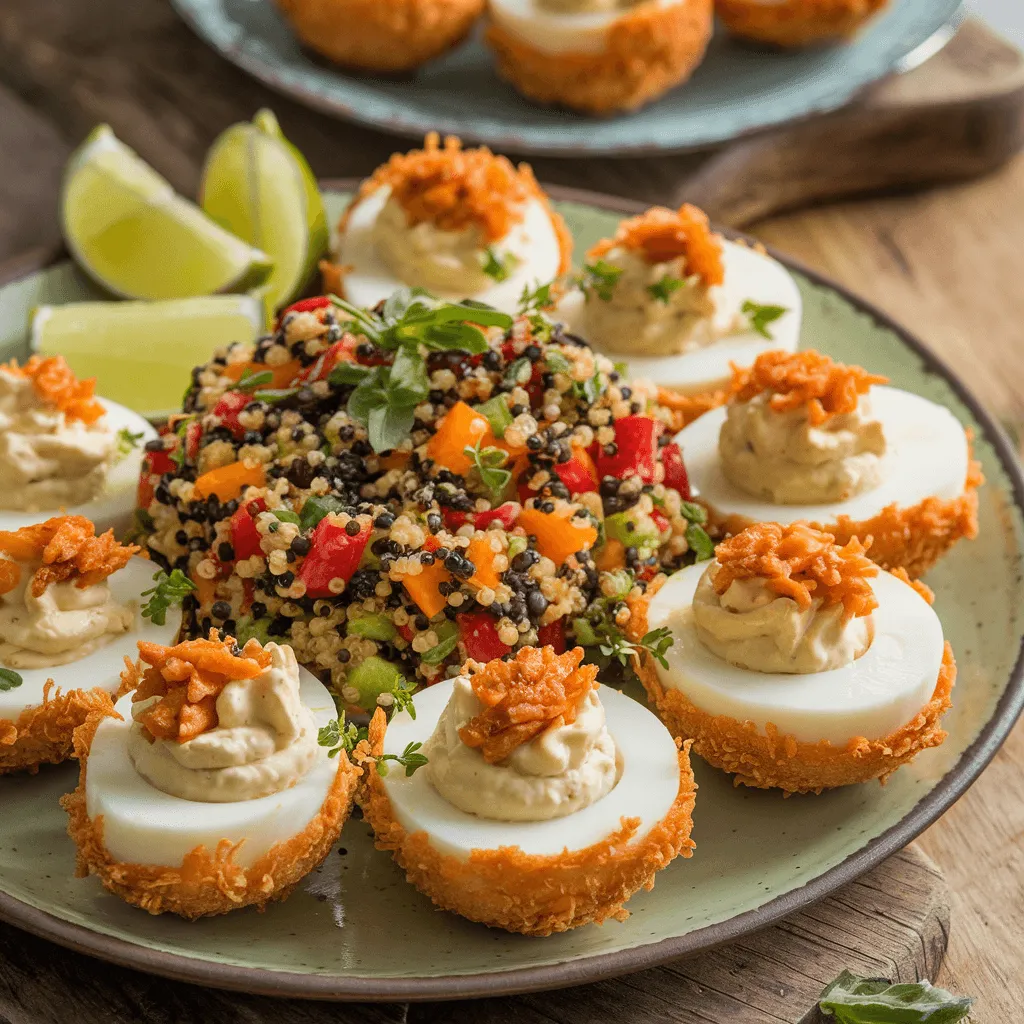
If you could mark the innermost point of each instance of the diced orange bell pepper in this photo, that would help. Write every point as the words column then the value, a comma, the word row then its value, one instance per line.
column 557, row 534
column 480, row 554
column 229, row 481
column 463, row 427
column 206, row 593
column 612, row 556
column 396, row 460
column 283, row 374
column 423, row 588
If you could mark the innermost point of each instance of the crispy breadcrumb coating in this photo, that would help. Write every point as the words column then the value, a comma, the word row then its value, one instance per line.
column 797, row 22
column 801, row 563
column 385, row 36
column 771, row 760
column 531, row 894
column 206, row 883
column 56, row 386
column 648, row 51
column 685, row 408
column 45, row 734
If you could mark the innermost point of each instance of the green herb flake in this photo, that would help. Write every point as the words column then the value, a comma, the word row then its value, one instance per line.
column 761, row 316
column 600, row 278
column 537, row 300
column 168, row 590
column 127, row 442
column 9, row 680
column 693, row 513
column 499, row 268
column 316, row 508
column 488, row 463
column 410, row 759
column 286, row 515
column 274, row 395
column 403, row 694
column 700, row 543
column 248, row 628
column 519, row 371
column 851, row 999
column 251, row 380
column 339, row 736
column 664, row 289
column 438, row 654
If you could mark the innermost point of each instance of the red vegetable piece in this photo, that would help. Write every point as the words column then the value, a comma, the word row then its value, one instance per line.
column 305, row 306
column 660, row 520
column 675, row 470
column 552, row 635
column 479, row 634
column 576, row 476
column 193, row 435
column 231, row 403
column 333, row 555
column 245, row 538
column 343, row 351
column 407, row 633
column 506, row 514
column 636, row 438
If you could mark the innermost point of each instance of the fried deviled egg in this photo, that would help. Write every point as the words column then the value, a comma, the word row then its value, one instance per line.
column 208, row 790
column 63, row 448
column 461, row 223
column 544, row 800
column 680, row 305
column 804, row 438
column 69, row 613
column 798, row 664
column 598, row 56
column 794, row 23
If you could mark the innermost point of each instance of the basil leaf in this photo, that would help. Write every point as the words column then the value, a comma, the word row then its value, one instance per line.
column 557, row 363
column 349, row 373
column 460, row 337
column 389, row 426
column 409, row 373
column 9, row 680
column 854, row 1000
column 367, row 396
column 399, row 302
column 316, row 508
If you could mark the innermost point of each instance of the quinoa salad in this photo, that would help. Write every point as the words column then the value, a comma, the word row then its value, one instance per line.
column 394, row 491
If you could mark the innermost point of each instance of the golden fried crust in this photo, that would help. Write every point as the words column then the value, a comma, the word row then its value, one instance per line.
column 44, row 734
column 529, row 894
column 797, row 22
column 770, row 760
column 685, row 409
column 387, row 36
column 206, row 884
column 648, row 52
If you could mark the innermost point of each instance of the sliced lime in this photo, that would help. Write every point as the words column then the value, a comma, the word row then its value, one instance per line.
column 259, row 186
column 142, row 353
column 127, row 227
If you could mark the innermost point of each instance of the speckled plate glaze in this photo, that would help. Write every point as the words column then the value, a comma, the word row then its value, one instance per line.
column 356, row 930
column 740, row 88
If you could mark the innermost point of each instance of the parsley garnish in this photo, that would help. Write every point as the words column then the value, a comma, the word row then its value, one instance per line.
column 168, row 590
column 536, row 300
column 252, row 380
column 761, row 316
column 499, row 269
column 616, row 647
column 403, row 698
column 339, row 736
column 488, row 464
column 663, row 289
column 409, row 759
column 9, row 680
column 600, row 278
column 127, row 442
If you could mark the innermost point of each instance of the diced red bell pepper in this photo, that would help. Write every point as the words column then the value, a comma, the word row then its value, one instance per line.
column 154, row 465
column 305, row 306
column 193, row 435
column 660, row 520
column 230, row 404
column 576, row 474
column 407, row 633
column 333, row 555
column 343, row 351
column 636, row 438
column 552, row 635
column 245, row 538
column 506, row 514
column 675, row 470
column 478, row 632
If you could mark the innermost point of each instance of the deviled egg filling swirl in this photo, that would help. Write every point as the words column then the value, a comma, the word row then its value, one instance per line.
column 586, row 6
column 256, row 738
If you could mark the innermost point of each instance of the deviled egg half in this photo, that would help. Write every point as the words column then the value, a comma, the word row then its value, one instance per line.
column 71, row 608
column 62, row 448
column 805, row 438
column 798, row 664
column 598, row 56
column 533, row 798
column 461, row 223
column 680, row 305
column 792, row 23
column 207, row 790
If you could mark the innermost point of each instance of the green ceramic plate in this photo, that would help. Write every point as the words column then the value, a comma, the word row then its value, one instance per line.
column 356, row 930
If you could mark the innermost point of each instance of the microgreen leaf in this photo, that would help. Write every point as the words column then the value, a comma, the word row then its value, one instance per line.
column 168, row 590
column 499, row 268
column 761, row 316
column 600, row 278
column 519, row 372
column 252, row 379
column 488, row 463
column 403, row 693
column 127, row 442
column 273, row 395
column 854, row 1000
column 657, row 642
column 389, row 425
column 536, row 300
column 339, row 736
column 662, row 290
column 286, row 515
column 410, row 759
column 9, row 680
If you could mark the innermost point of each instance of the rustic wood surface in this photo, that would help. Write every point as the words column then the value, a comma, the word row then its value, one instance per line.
column 947, row 261
column 892, row 923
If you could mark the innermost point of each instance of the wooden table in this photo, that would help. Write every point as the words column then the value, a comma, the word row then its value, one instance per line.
column 948, row 262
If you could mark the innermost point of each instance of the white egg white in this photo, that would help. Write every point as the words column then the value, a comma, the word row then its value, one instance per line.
column 876, row 695
column 102, row 668
column 112, row 508
column 143, row 825
column 926, row 456
column 556, row 33
column 371, row 279
column 647, row 788
column 748, row 275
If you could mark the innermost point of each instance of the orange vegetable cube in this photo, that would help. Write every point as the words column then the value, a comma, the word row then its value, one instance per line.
column 480, row 554
column 558, row 535
column 283, row 374
column 463, row 427
column 423, row 588
column 229, row 481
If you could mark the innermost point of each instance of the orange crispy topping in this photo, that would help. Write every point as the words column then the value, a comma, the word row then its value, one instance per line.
column 802, row 563
column 189, row 678
column 805, row 378
column 56, row 385
column 523, row 697
column 68, row 548
column 454, row 188
column 661, row 235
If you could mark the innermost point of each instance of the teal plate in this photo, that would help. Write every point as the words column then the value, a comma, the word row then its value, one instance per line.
column 354, row 929
column 739, row 88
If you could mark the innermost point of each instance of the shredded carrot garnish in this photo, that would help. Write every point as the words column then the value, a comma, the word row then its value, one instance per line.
column 801, row 563
column 534, row 691
column 661, row 235
column 57, row 386
column 188, row 678
column 805, row 378
column 68, row 548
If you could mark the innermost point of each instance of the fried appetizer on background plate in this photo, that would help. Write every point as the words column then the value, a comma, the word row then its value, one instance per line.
column 797, row 22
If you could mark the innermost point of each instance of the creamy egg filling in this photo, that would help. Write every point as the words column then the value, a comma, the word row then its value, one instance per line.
column 46, row 460
column 265, row 741
column 783, row 458
column 585, row 6
column 61, row 625
column 751, row 627
column 566, row 768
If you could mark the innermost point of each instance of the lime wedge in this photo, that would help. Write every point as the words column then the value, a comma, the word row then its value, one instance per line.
column 142, row 353
column 126, row 226
column 258, row 185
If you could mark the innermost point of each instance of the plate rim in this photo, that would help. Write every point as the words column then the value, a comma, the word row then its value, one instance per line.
column 293, row 984
column 410, row 128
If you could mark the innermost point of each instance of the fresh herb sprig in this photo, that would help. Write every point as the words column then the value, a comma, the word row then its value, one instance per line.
column 403, row 694
column 339, row 736
column 488, row 463
column 127, row 442
column 600, row 278
column 851, row 999
column 760, row 317
column 664, row 289
column 499, row 268
column 9, row 680
column 410, row 759
column 169, row 590
column 253, row 379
